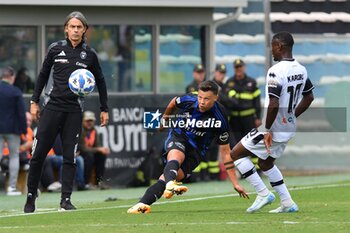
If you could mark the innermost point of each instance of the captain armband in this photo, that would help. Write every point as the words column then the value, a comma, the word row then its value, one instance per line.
column 229, row 165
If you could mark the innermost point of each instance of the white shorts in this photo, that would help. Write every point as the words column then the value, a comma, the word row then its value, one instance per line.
column 254, row 142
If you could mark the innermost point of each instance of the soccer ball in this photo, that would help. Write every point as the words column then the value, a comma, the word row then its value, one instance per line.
column 81, row 82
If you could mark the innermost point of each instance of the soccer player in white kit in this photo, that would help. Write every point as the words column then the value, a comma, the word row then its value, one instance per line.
column 288, row 95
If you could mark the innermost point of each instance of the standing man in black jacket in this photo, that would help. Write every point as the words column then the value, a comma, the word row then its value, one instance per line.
column 12, row 124
column 62, row 112
column 198, row 77
column 243, row 101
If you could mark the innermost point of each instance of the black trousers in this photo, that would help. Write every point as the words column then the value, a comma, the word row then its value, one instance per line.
column 240, row 126
column 92, row 160
column 52, row 123
column 47, row 177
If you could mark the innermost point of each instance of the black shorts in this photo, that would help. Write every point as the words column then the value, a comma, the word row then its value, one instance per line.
column 192, row 158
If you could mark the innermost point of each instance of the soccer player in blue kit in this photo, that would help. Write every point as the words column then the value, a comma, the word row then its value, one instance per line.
column 202, row 120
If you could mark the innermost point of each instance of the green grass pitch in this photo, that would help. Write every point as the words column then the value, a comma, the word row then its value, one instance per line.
column 324, row 203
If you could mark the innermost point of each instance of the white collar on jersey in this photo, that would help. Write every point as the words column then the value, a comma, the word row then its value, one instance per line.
column 287, row 59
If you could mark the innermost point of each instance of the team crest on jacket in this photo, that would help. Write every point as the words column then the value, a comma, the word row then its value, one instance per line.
column 231, row 84
column 83, row 55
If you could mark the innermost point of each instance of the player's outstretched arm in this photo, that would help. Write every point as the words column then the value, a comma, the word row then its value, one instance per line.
column 225, row 154
column 304, row 104
column 170, row 108
column 168, row 111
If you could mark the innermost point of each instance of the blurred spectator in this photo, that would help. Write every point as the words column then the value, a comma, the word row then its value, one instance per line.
column 124, row 51
column 12, row 124
column 3, row 56
column 198, row 77
column 220, row 78
column 201, row 171
column 91, row 150
column 24, row 149
column 23, row 81
column 27, row 139
column 243, row 103
column 220, row 75
column 48, row 179
column 244, row 97
column 213, row 151
column 52, row 169
column 107, row 46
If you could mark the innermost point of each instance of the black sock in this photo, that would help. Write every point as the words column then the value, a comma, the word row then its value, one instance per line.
column 170, row 170
column 153, row 193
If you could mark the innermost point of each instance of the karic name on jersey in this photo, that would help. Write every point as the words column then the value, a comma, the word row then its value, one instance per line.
column 295, row 77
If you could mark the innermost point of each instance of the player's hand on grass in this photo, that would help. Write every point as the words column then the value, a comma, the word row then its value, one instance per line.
column 35, row 111
column 241, row 191
column 268, row 141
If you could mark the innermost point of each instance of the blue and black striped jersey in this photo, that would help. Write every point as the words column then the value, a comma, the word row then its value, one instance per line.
column 202, row 127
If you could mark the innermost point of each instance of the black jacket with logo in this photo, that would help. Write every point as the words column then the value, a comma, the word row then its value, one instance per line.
column 193, row 86
column 243, row 95
column 61, row 60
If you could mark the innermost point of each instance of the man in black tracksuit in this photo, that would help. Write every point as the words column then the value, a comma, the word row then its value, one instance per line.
column 243, row 101
column 213, row 151
column 198, row 77
column 62, row 112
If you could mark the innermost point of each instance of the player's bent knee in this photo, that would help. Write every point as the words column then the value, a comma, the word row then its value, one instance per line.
column 233, row 154
column 236, row 152
column 265, row 165
column 176, row 155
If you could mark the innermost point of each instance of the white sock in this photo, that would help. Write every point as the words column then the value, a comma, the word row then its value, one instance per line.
column 276, row 180
column 244, row 165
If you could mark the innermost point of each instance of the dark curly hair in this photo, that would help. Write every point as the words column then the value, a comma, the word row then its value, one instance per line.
column 209, row 85
column 285, row 38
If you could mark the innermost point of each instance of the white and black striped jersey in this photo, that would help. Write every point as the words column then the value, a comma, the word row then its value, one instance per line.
column 288, row 81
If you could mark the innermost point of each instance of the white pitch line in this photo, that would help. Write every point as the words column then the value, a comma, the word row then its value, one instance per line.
column 124, row 224
column 172, row 202
column 170, row 223
column 236, row 194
